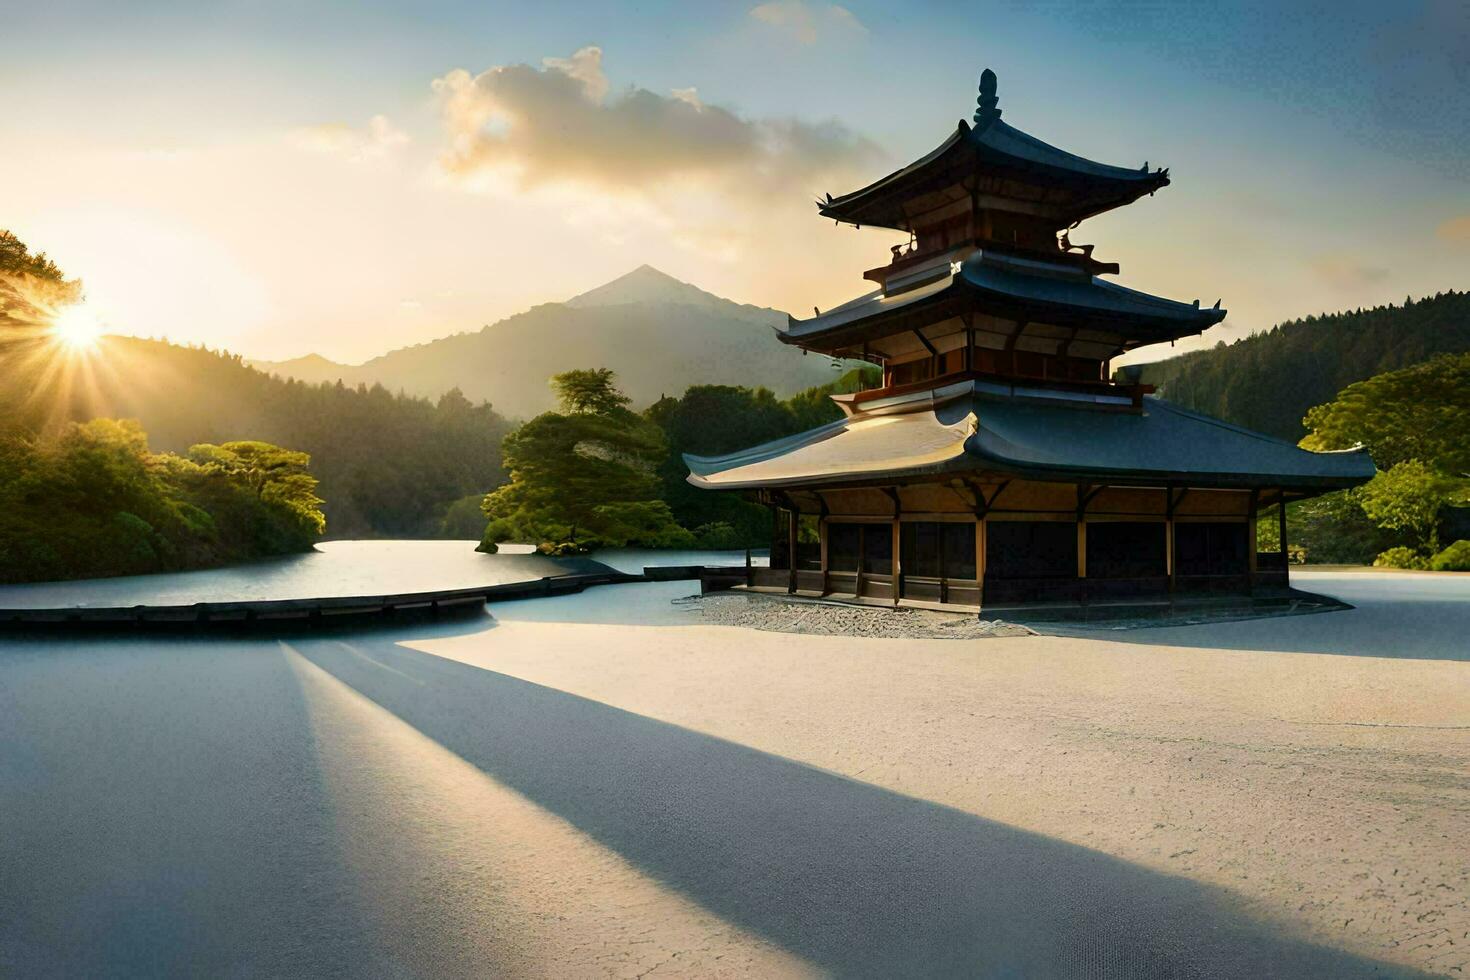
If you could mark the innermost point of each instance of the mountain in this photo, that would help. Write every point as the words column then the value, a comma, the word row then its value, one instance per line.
column 313, row 368
column 1268, row 381
column 648, row 285
column 660, row 336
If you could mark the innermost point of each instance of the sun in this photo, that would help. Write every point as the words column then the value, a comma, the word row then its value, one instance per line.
column 77, row 328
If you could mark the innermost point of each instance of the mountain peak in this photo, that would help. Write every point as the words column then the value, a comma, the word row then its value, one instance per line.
column 648, row 285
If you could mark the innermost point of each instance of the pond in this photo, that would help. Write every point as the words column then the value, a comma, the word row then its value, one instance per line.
column 340, row 568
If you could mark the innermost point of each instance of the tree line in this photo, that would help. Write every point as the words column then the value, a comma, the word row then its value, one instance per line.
column 1268, row 381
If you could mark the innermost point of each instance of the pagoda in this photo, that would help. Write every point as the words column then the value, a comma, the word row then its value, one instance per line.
column 999, row 462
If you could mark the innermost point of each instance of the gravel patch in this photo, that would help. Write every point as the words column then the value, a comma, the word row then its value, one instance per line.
column 784, row 614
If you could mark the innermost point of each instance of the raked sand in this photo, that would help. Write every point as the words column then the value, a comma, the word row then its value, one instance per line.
column 604, row 785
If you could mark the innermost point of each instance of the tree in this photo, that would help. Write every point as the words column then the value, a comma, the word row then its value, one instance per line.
column 1269, row 380
column 709, row 420
column 93, row 500
column 31, row 285
column 1420, row 412
column 1409, row 497
column 588, row 392
column 584, row 478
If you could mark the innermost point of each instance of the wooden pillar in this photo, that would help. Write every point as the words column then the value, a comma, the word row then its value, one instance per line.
column 1281, row 528
column 1169, row 535
column 897, row 545
column 980, row 555
column 822, row 537
column 791, row 524
column 1250, row 541
column 1081, row 547
column 1084, row 494
column 897, row 565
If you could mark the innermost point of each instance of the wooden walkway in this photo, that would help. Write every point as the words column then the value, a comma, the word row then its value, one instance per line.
column 288, row 614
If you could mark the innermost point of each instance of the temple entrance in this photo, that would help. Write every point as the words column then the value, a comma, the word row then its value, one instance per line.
column 860, row 559
column 1030, row 560
column 1126, row 558
column 1212, row 556
column 937, row 562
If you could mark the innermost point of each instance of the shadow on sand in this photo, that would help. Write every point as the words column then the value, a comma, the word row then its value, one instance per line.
column 1397, row 616
column 854, row 878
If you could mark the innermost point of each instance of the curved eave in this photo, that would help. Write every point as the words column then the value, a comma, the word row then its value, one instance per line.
column 1034, row 438
column 1005, row 151
column 1138, row 318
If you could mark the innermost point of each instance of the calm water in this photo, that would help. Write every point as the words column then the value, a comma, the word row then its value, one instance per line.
column 338, row 568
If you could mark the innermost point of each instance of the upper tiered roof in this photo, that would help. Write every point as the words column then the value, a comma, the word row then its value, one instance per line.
column 1116, row 317
column 1008, row 168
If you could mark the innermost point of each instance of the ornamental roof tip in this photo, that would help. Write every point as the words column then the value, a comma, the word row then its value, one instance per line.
column 986, row 106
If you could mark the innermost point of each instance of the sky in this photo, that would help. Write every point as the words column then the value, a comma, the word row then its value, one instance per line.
column 280, row 178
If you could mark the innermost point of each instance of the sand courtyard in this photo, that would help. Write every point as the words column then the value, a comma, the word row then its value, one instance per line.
column 606, row 785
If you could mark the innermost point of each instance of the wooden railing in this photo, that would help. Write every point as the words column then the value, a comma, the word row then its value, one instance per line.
column 1134, row 392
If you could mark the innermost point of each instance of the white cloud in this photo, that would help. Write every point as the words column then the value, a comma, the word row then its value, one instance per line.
column 809, row 23
column 586, row 67
column 631, row 165
column 378, row 138
column 689, row 95
column 561, row 124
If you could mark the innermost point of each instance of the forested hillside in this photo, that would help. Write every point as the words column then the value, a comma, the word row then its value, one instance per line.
column 388, row 464
column 1268, row 381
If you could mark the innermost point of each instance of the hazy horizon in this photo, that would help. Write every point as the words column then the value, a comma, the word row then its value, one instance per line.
column 346, row 182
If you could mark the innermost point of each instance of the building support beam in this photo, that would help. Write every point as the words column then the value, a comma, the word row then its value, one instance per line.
column 822, row 539
column 1085, row 493
column 1281, row 527
column 1170, row 564
column 1251, row 544
column 897, row 575
column 791, row 527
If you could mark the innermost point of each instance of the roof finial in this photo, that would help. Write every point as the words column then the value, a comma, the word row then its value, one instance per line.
column 986, row 105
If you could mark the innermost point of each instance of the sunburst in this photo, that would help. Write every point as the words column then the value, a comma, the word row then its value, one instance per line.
column 77, row 328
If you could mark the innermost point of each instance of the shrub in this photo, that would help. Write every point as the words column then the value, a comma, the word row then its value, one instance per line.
column 1400, row 558
column 1455, row 558
column 718, row 536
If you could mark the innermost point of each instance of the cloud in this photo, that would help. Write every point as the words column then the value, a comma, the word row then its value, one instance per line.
column 808, row 23
column 1346, row 272
column 689, row 95
column 561, row 124
column 1456, row 231
column 378, row 138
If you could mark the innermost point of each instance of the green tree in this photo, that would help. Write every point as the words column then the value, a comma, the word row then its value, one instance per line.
column 709, row 420
column 92, row 500
column 463, row 518
column 1409, row 497
column 1420, row 412
column 32, row 288
column 584, row 478
column 588, row 392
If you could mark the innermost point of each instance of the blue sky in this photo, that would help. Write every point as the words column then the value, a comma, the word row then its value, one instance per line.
column 1319, row 151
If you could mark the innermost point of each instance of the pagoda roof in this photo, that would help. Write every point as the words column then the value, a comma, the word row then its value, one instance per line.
column 1064, row 185
column 1036, row 434
column 1009, row 286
